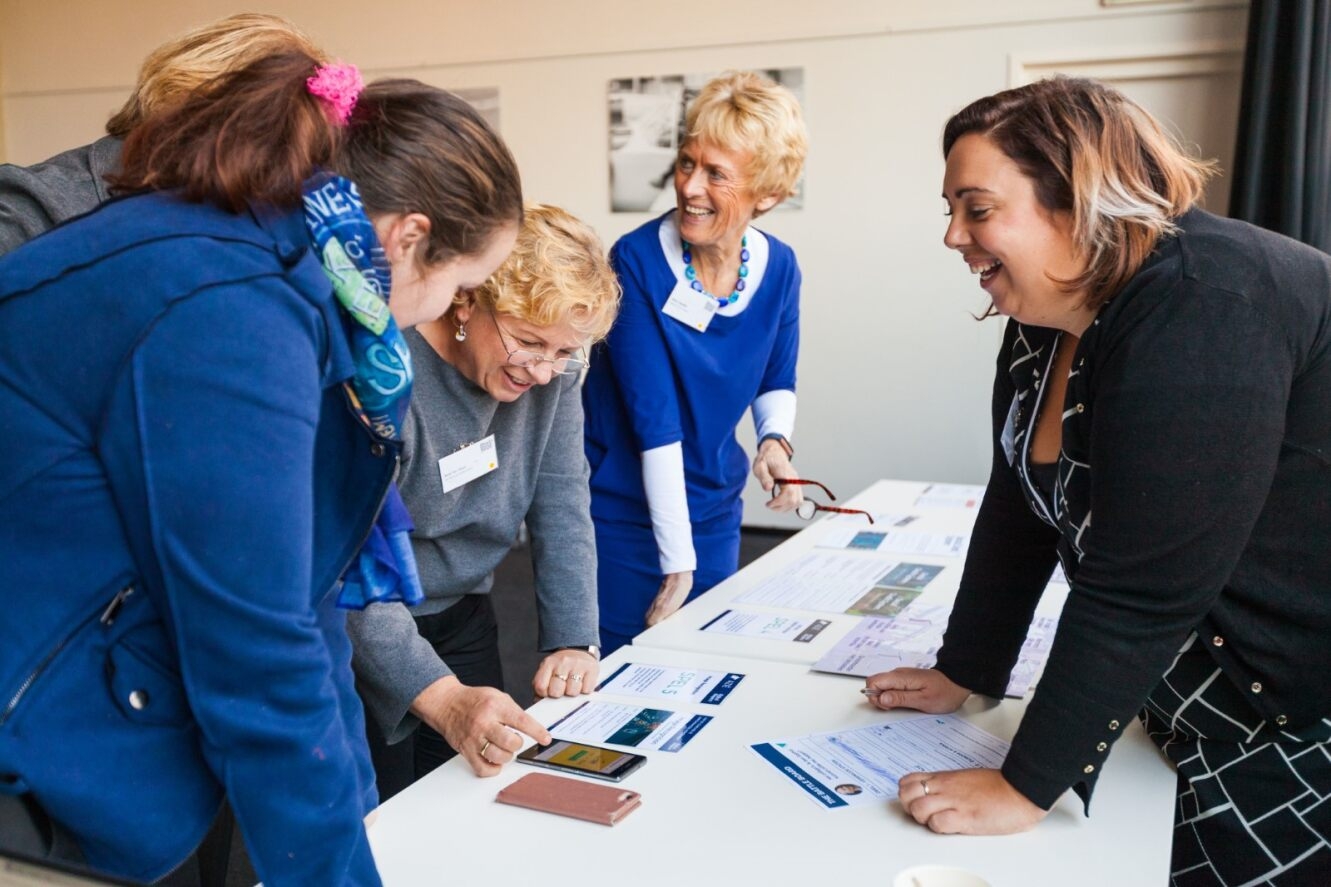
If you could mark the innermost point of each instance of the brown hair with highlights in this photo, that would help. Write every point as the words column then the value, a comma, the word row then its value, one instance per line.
column 1095, row 154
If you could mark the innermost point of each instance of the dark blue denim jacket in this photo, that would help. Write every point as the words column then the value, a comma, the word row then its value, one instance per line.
column 181, row 484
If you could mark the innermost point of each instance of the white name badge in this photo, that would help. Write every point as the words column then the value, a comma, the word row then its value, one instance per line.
column 468, row 463
column 690, row 307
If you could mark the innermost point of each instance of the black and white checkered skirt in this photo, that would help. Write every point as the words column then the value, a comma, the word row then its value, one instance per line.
column 1254, row 801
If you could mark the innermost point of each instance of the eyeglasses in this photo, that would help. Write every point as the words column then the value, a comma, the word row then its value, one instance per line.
column 527, row 359
column 808, row 508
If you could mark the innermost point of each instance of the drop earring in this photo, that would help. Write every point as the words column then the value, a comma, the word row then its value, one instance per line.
column 461, row 334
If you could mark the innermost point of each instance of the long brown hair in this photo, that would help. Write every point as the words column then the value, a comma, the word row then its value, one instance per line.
column 1095, row 154
column 257, row 133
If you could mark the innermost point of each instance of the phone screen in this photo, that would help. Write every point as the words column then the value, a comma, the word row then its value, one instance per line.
column 589, row 760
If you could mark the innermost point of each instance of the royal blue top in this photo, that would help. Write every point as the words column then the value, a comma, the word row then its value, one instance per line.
column 655, row 381
column 181, row 484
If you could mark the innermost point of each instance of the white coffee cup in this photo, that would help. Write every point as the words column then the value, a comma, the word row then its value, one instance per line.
column 938, row 876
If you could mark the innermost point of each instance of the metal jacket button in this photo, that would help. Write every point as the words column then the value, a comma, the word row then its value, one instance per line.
column 1102, row 746
column 1281, row 720
column 1113, row 725
column 1256, row 686
column 1218, row 641
column 1089, row 768
column 1081, row 408
column 377, row 449
column 138, row 699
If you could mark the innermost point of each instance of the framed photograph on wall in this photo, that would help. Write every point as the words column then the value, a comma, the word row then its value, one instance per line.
column 646, row 126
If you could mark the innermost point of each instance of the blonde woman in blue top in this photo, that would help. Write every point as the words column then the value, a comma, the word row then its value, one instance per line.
column 708, row 328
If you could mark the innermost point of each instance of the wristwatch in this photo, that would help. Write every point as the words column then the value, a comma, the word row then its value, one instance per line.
column 590, row 648
column 781, row 439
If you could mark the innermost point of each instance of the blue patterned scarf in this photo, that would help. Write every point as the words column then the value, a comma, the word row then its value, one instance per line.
column 385, row 568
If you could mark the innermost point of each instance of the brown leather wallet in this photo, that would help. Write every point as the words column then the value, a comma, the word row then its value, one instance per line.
column 606, row 804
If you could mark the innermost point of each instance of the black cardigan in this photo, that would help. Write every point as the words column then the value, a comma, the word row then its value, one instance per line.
column 1194, row 494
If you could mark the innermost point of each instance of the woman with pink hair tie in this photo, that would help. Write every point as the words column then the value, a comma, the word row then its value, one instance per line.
column 202, row 400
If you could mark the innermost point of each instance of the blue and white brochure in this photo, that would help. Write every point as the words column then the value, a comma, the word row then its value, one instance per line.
column 696, row 686
column 645, row 729
column 864, row 766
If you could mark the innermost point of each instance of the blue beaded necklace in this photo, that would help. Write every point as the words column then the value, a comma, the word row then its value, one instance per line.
column 692, row 273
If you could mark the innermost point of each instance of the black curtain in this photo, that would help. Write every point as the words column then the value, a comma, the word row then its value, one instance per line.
column 1282, row 168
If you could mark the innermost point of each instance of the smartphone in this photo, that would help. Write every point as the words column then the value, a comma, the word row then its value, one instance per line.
column 588, row 760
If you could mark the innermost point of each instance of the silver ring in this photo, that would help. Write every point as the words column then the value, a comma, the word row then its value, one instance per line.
column 562, row 677
column 577, row 678
column 487, row 745
column 924, row 783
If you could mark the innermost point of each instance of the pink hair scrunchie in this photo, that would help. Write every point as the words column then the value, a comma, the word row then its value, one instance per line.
column 339, row 85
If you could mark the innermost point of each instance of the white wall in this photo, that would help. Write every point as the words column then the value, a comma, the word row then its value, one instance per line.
column 894, row 374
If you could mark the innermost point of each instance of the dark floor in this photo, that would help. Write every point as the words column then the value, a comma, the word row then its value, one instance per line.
column 515, row 605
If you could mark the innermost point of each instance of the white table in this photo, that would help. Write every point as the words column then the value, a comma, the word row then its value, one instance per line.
column 682, row 631
column 715, row 813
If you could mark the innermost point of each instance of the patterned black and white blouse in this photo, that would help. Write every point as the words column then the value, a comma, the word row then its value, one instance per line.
column 1193, row 494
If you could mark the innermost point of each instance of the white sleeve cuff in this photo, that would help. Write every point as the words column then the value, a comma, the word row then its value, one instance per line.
column 774, row 413
column 668, row 505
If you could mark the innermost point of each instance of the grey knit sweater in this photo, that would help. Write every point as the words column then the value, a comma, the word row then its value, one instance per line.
column 34, row 199
column 462, row 535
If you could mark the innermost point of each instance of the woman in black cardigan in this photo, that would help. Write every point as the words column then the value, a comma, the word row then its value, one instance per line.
column 1162, row 427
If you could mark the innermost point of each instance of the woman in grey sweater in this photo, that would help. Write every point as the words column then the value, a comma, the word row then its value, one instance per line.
column 493, row 439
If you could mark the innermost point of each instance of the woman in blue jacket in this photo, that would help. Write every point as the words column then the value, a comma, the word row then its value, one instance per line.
column 201, row 401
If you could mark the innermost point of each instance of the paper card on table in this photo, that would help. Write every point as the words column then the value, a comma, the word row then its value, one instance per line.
column 641, row 728
column 883, row 601
column 864, row 766
column 692, row 685
column 827, row 581
column 766, row 625
column 854, row 538
column 895, row 590
column 912, row 638
column 950, row 496
column 912, row 576
column 881, row 519
column 896, row 541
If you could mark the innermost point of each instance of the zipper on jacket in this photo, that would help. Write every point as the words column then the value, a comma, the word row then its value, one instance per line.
column 355, row 552
column 349, row 401
column 107, row 617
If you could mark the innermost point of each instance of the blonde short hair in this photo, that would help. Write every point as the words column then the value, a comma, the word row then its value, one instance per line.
column 557, row 273
column 746, row 111
column 1096, row 155
column 180, row 66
